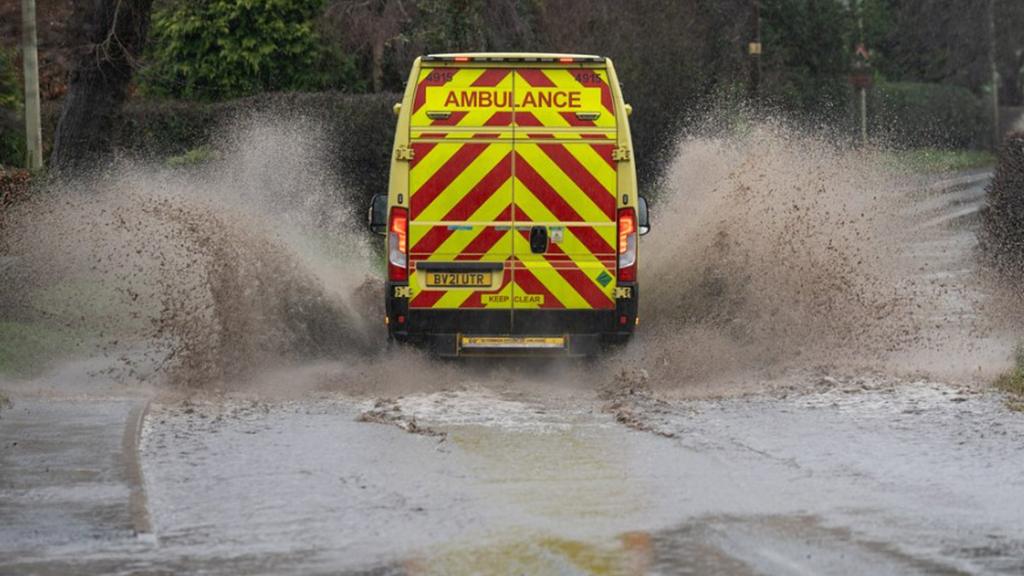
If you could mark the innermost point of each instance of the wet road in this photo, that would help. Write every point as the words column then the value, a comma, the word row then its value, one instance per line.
column 910, row 478
column 525, row 474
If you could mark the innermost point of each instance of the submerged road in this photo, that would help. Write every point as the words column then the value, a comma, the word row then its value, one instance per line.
column 832, row 475
column 911, row 479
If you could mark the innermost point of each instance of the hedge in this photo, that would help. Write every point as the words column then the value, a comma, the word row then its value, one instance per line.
column 358, row 128
column 12, row 139
column 14, row 186
column 914, row 115
column 1002, row 232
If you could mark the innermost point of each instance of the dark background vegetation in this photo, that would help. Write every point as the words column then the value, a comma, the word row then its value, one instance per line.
column 345, row 61
column 1002, row 234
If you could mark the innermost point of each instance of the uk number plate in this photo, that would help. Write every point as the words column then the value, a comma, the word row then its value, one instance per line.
column 458, row 279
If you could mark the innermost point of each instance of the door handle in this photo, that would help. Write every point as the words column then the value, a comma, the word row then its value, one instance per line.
column 539, row 239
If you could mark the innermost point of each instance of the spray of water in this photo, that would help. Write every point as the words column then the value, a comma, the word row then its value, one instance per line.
column 204, row 275
column 771, row 250
column 774, row 250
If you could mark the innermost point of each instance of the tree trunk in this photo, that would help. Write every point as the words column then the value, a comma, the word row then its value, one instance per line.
column 113, row 34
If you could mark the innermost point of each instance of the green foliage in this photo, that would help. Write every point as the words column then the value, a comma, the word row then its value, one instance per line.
column 219, row 49
column 12, row 139
column 358, row 127
column 1013, row 382
column 451, row 25
column 878, row 26
column 910, row 114
column 806, row 55
column 194, row 157
column 27, row 348
column 12, row 135
column 10, row 87
column 937, row 160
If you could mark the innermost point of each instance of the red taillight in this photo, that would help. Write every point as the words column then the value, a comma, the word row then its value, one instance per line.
column 398, row 231
column 462, row 58
column 566, row 60
column 627, row 245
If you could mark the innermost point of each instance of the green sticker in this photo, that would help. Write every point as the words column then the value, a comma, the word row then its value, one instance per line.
column 604, row 278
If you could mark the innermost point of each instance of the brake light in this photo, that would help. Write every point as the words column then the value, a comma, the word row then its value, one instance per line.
column 627, row 245
column 398, row 229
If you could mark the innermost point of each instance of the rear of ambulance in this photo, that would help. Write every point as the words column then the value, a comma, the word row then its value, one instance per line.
column 512, row 215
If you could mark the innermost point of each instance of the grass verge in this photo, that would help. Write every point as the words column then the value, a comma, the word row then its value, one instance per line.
column 934, row 160
column 194, row 157
column 26, row 349
column 1012, row 382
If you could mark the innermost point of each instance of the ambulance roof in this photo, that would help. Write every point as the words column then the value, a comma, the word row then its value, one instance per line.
column 513, row 57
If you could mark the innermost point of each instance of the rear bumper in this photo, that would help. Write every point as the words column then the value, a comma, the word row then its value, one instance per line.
column 441, row 329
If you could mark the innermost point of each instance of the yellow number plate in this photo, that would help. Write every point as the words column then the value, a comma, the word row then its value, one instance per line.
column 512, row 342
column 458, row 279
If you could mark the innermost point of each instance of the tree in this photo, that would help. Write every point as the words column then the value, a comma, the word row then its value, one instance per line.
column 669, row 65
column 368, row 27
column 1010, row 51
column 10, row 88
column 220, row 49
column 807, row 55
column 12, row 135
column 112, row 35
column 938, row 41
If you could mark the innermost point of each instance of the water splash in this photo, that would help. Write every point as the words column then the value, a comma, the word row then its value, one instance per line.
column 207, row 274
column 772, row 250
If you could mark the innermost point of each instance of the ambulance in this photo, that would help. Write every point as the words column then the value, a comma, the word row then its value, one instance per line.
column 512, row 217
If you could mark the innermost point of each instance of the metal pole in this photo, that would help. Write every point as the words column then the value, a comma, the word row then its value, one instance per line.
column 996, row 132
column 30, row 58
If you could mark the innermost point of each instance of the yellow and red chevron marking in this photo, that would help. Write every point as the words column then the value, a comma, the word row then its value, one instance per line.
column 461, row 210
column 560, row 286
column 566, row 182
column 481, row 202
column 565, row 176
column 579, row 272
column 452, row 181
column 496, row 149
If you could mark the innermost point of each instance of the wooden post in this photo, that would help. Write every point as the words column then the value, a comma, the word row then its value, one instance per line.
column 30, row 58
